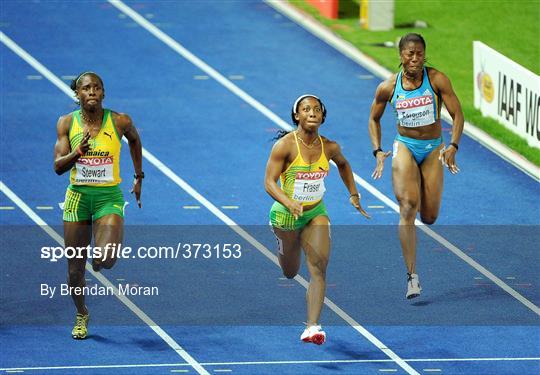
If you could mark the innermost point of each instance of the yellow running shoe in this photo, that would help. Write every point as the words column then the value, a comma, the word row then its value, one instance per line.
column 80, row 330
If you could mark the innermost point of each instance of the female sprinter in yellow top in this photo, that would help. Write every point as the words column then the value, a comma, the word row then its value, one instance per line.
column 300, row 159
column 88, row 145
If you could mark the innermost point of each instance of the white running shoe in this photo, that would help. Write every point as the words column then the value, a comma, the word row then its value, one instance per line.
column 413, row 286
column 313, row 334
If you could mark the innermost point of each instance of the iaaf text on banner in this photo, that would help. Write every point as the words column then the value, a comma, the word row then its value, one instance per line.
column 507, row 92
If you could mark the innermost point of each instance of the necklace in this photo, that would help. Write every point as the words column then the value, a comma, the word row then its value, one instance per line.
column 87, row 120
column 310, row 145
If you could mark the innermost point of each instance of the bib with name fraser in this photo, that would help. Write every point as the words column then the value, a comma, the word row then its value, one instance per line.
column 309, row 186
column 94, row 170
column 417, row 111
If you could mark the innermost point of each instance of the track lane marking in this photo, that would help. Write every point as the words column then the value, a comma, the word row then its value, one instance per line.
column 210, row 206
column 257, row 363
column 126, row 301
column 185, row 53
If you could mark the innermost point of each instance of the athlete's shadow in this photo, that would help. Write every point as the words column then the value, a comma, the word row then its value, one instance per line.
column 99, row 338
column 471, row 294
column 154, row 345
column 342, row 349
column 145, row 344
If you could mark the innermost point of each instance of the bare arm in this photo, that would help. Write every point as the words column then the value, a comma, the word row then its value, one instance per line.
column 452, row 104
column 274, row 167
column 382, row 95
column 345, row 172
column 64, row 157
column 126, row 127
column 451, row 101
column 344, row 168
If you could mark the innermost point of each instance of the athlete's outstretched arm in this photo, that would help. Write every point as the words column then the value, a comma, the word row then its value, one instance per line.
column 345, row 171
column 274, row 167
column 382, row 95
column 64, row 157
column 123, row 121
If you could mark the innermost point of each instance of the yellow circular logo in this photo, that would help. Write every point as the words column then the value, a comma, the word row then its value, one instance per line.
column 487, row 87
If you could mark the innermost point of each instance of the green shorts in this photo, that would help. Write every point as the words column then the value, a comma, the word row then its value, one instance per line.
column 281, row 218
column 84, row 203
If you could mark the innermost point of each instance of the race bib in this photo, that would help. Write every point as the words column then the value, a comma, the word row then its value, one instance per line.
column 95, row 170
column 309, row 186
column 417, row 111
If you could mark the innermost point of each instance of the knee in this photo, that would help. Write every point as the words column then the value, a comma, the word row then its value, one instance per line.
column 290, row 274
column 109, row 263
column 428, row 219
column 318, row 268
column 76, row 277
column 408, row 207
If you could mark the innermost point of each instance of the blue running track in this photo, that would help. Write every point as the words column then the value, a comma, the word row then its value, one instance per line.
column 207, row 141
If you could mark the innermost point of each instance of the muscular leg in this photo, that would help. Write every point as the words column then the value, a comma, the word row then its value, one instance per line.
column 77, row 234
column 406, row 181
column 289, row 251
column 431, row 171
column 108, row 230
column 316, row 243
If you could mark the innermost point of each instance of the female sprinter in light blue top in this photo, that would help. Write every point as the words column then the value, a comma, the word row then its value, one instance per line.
column 418, row 154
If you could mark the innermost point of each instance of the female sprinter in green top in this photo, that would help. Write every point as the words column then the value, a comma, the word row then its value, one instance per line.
column 300, row 159
column 88, row 145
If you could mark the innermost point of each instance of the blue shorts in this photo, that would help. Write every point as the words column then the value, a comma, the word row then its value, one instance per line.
column 419, row 148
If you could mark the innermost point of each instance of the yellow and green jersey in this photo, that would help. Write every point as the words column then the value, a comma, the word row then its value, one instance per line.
column 100, row 165
column 303, row 182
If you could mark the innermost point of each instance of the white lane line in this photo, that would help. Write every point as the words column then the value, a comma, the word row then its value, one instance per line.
column 262, row 363
column 240, row 231
column 142, row 365
column 278, row 121
column 432, row 370
column 126, row 301
column 387, row 370
column 191, row 207
column 211, row 207
column 34, row 78
column 230, row 207
column 182, row 51
column 6, row 208
column 354, row 54
column 44, row 207
column 36, row 64
column 501, row 284
column 201, row 77
column 269, row 114
column 236, row 77
column 375, row 206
